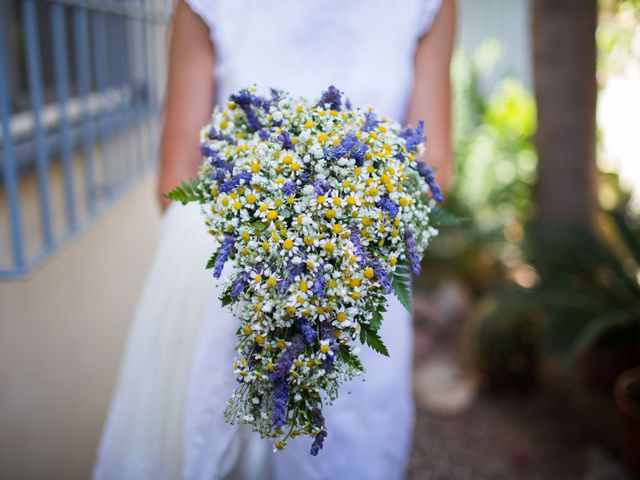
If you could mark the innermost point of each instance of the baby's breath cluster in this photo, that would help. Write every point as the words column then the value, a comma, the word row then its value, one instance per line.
column 323, row 210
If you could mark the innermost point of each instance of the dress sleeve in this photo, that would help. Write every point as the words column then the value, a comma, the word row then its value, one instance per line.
column 426, row 15
column 204, row 9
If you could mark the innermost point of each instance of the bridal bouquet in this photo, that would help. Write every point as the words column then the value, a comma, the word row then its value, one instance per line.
column 323, row 211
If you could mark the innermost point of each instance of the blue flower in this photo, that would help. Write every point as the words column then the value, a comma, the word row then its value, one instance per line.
column 319, row 285
column 305, row 177
column 358, row 153
column 355, row 239
column 414, row 137
column 318, row 421
column 322, row 187
column 427, row 174
column 280, row 402
column 330, row 96
column 219, row 174
column 234, row 181
column 334, row 153
column 290, row 274
column 412, row 251
column 388, row 205
column 239, row 285
column 285, row 138
column 215, row 135
column 263, row 134
column 214, row 158
column 275, row 94
column 223, row 255
column 381, row 274
column 287, row 357
column 370, row 122
column 260, row 102
column 207, row 151
column 245, row 101
column 349, row 146
column 308, row 332
column 289, row 188
column 400, row 156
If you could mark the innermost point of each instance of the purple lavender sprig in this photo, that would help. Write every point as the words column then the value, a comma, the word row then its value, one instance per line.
column 223, row 255
column 332, row 96
column 412, row 251
column 414, row 137
column 319, row 285
column 427, row 174
column 381, row 274
column 308, row 332
column 239, row 285
column 214, row 158
column 389, row 206
column 234, row 182
column 219, row 174
column 281, row 370
column 245, row 100
column 318, row 421
column 280, row 402
column 285, row 138
column 370, row 122
column 322, row 187
column 289, row 188
column 355, row 239
column 279, row 379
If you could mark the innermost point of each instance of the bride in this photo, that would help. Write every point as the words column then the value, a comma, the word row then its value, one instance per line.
column 165, row 420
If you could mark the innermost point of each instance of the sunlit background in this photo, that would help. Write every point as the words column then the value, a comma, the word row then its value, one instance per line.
column 527, row 323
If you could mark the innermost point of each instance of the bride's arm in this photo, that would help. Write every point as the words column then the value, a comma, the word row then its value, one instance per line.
column 431, row 97
column 190, row 95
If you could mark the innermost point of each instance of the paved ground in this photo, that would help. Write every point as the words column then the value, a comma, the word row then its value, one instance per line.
column 529, row 438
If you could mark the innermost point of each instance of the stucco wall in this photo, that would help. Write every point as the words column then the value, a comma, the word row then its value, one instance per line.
column 61, row 334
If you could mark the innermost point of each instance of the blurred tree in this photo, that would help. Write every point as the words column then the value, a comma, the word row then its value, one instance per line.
column 564, row 57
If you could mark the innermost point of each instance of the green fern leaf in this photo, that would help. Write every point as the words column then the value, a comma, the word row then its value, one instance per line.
column 370, row 337
column 401, row 285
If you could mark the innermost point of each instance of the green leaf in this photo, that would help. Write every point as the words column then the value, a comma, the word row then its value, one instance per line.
column 187, row 192
column 439, row 217
column 370, row 337
column 259, row 225
column 212, row 261
column 350, row 359
column 376, row 320
column 226, row 298
column 401, row 284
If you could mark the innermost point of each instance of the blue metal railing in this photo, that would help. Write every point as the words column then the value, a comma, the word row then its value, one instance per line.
column 78, row 113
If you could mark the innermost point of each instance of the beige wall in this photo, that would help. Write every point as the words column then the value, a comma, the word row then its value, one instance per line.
column 61, row 334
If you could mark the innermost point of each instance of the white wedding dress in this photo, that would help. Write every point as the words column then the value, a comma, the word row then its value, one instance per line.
column 165, row 420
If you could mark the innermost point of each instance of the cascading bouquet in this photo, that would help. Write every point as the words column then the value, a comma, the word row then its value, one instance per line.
column 323, row 211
